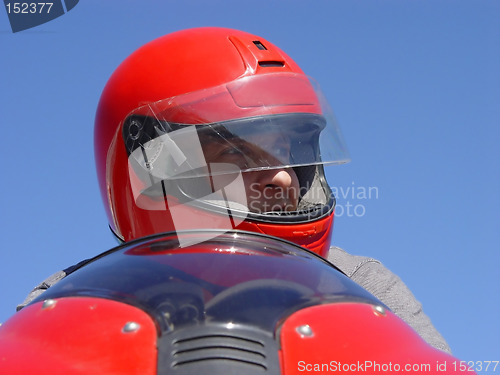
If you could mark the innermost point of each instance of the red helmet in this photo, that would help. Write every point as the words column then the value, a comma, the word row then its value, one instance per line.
column 213, row 128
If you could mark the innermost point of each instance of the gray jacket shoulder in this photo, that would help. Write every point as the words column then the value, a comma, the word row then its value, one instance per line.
column 373, row 276
column 50, row 281
column 42, row 287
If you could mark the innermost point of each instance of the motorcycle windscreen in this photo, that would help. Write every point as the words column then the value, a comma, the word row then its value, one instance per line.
column 232, row 277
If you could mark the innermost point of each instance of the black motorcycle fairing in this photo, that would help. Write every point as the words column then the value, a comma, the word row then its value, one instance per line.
column 236, row 278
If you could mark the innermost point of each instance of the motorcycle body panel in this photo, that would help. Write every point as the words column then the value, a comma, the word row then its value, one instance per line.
column 229, row 303
column 78, row 335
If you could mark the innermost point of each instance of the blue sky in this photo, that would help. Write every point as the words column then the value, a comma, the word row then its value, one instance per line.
column 415, row 86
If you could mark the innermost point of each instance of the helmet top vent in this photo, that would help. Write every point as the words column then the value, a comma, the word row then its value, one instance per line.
column 259, row 45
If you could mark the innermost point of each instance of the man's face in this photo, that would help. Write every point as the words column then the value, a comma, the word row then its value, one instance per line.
column 272, row 188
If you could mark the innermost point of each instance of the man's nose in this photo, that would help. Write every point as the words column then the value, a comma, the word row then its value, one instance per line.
column 281, row 178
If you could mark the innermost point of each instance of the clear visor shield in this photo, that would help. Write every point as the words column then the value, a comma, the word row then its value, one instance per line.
column 210, row 139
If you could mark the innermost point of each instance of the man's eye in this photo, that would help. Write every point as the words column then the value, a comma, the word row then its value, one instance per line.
column 234, row 156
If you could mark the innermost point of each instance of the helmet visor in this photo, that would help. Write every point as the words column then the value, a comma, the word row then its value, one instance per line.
column 253, row 123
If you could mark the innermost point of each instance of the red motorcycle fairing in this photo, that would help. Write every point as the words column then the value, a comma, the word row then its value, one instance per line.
column 228, row 303
column 76, row 335
column 356, row 338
